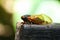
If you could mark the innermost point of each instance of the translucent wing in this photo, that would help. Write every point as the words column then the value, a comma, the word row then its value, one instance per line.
column 40, row 19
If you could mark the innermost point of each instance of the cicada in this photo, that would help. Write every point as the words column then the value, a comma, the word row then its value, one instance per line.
column 37, row 19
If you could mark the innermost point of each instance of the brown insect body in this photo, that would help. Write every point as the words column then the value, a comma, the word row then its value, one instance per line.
column 38, row 19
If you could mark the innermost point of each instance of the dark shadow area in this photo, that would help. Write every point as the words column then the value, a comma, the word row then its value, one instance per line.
column 41, row 32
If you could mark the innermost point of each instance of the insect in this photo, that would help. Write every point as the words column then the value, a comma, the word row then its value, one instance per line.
column 37, row 19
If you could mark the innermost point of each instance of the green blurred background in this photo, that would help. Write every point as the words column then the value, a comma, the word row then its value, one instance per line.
column 12, row 10
column 48, row 7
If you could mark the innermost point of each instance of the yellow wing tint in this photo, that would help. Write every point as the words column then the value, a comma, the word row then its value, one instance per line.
column 40, row 19
column 46, row 18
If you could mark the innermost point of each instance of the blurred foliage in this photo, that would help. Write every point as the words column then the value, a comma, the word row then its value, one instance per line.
column 59, row 1
column 6, row 19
